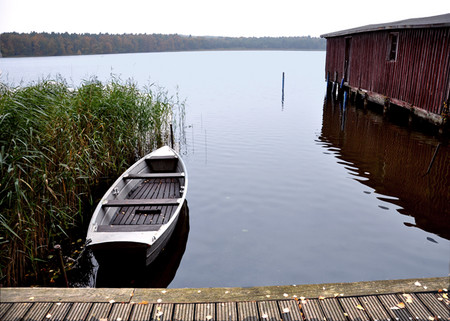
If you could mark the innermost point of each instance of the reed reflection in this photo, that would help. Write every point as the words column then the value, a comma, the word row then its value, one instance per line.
column 393, row 160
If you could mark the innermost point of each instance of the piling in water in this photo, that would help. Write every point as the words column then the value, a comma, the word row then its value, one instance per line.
column 171, row 136
column 432, row 159
column 57, row 247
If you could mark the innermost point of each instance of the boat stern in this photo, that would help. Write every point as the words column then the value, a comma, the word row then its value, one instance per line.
column 111, row 253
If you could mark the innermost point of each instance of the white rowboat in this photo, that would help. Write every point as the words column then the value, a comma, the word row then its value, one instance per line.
column 137, row 215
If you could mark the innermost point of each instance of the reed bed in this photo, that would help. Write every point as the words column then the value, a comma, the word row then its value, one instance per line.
column 56, row 146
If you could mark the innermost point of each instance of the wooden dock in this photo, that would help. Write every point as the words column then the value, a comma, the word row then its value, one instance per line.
column 399, row 300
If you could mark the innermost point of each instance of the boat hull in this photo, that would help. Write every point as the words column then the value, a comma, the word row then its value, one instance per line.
column 108, row 254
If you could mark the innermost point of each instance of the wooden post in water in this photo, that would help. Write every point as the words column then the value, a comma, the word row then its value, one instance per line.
column 366, row 100
column 432, row 159
column 386, row 105
column 57, row 247
column 328, row 83
column 171, row 136
column 282, row 89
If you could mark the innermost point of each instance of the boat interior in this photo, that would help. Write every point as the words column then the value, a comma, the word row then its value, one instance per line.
column 151, row 202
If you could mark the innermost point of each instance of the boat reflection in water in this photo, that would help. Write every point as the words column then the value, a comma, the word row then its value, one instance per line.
column 393, row 160
column 159, row 274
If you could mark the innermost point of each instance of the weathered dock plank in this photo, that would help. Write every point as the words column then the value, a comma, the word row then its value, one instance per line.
column 290, row 310
column 220, row 294
column 374, row 308
column 248, row 311
column 38, row 311
column 268, row 310
column 4, row 307
column 312, row 310
column 353, row 309
column 436, row 307
column 394, row 306
column 58, row 311
column 205, row 312
column 184, row 312
column 78, row 312
column 332, row 309
column 65, row 295
column 17, row 311
column 120, row 312
column 226, row 311
column 162, row 312
column 440, row 297
column 415, row 307
column 99, row 311
column 141, row 312
column 278, row 292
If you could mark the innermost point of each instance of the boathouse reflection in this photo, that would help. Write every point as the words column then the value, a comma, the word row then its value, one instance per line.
column 393, row 160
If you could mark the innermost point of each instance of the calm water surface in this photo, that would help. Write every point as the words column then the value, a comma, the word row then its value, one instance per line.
column 285, row 193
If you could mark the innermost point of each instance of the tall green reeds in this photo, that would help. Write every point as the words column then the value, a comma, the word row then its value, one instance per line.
column 56, row 145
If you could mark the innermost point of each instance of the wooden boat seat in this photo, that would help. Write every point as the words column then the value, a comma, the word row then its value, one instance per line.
column 162, row 164
column 154, row 175
column 128, row 228
column 141, row 202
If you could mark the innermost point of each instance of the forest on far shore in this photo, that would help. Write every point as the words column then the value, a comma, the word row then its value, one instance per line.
column 60, row 44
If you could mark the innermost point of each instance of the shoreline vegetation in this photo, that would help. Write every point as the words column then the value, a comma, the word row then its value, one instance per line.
column 60, row 148
column 64, row 44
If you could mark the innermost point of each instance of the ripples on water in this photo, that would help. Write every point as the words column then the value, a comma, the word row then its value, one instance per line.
column 291, row 193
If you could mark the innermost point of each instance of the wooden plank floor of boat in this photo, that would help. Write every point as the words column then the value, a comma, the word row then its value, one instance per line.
column 154, row 188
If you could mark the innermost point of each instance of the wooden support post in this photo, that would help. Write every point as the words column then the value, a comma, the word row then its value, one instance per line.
column 356, row 101
column 345, row 99
column 328, row 83
column 171, row 136
column 366, row 100
column 432, row 159
column 445, row 114
column 410, row 114
column 341, row 89
column 57, row 247
column 386, row 106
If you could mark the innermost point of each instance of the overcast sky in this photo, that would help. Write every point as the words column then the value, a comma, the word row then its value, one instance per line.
column 208, row 17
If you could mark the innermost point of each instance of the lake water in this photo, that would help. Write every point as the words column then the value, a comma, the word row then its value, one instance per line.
column 285, row 193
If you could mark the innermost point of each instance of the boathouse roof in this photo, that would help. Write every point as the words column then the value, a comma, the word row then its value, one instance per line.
column 426, row 22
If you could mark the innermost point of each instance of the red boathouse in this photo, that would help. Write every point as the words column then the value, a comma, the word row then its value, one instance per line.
column 405, row 63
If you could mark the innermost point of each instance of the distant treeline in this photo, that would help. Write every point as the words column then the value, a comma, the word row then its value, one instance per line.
column 60, row 44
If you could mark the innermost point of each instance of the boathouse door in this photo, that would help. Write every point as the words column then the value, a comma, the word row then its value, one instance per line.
column 348, row 46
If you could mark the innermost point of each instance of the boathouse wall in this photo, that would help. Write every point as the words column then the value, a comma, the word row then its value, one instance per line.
column 410, row 67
